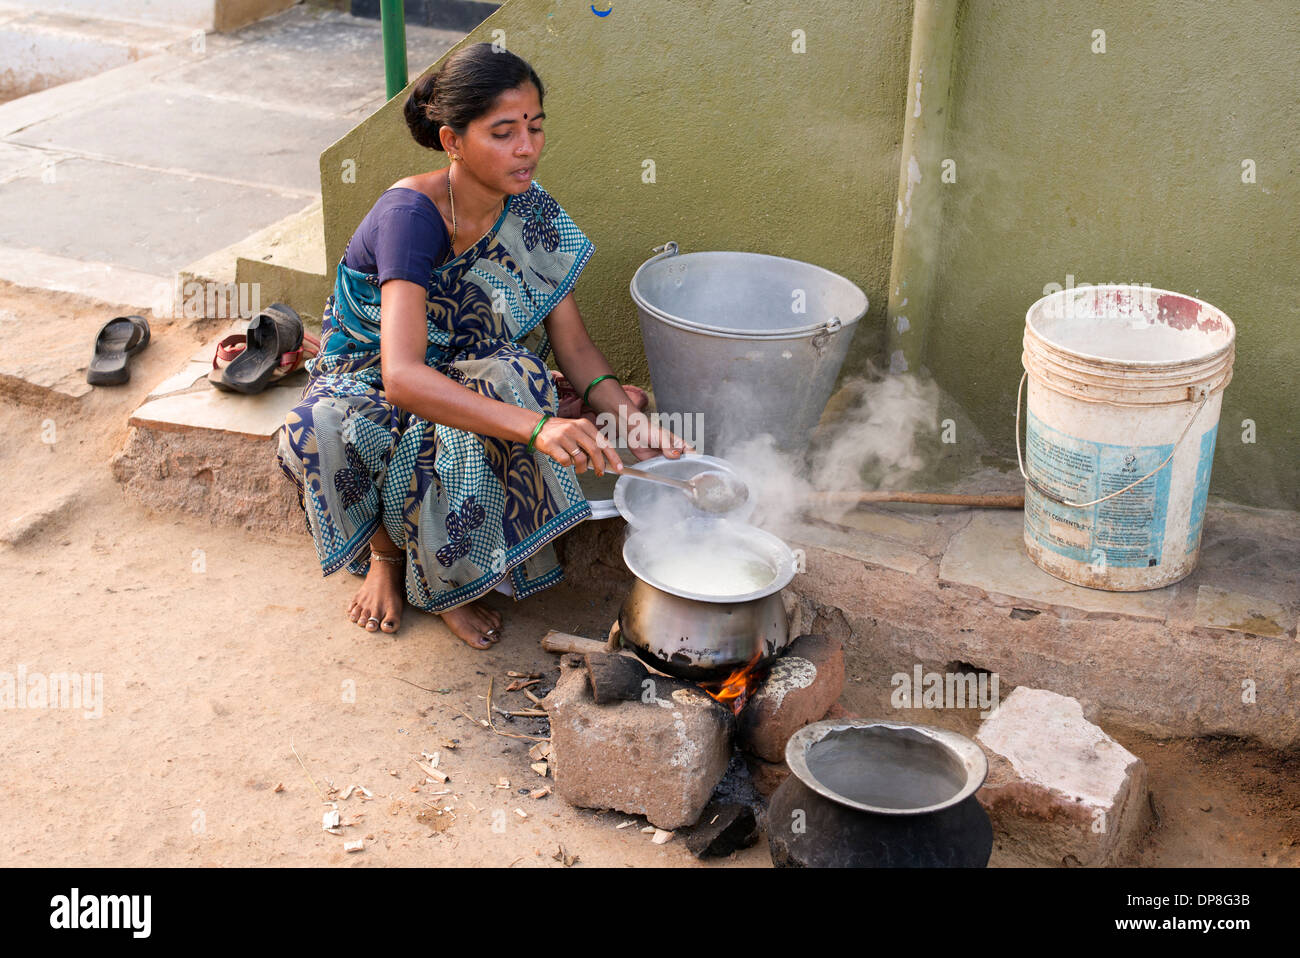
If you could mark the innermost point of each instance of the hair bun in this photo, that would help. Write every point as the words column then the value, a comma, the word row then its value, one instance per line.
column 419, row 113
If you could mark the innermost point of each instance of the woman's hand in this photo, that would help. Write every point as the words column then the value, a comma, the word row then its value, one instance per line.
column 576, row 442
column 646, row 439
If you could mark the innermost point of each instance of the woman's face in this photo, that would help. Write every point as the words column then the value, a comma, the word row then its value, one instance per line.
column 502, row 147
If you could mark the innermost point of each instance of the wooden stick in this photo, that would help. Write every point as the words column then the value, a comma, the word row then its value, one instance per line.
column 564, row 642
column 929, row 498
column 614, row 678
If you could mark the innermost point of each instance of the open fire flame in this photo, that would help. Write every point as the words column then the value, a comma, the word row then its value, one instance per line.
column 734, row 691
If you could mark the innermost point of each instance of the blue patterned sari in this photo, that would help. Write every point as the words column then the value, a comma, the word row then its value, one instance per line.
column 468, row 510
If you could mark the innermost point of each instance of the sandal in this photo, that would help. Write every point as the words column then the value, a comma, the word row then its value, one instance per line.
column 290, row 362
column 273, row 346
column 117, row 341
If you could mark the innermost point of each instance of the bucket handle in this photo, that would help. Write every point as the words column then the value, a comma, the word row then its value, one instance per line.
column 832, row 327
column 667, row 249
column 1193, row 392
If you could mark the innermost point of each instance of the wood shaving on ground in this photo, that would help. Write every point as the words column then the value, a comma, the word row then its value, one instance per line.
column 330, row 819
column 449, row 745
column 358, row 845
column 521, row 813
column 279, row 787
column 649, row 830
column 518, row 685
column 540, row 768
column 440, row 777
column 563, row 856
column 627, row 824
column 524, row 675
column 503, row 782
column 662, row 837
column 540, row 792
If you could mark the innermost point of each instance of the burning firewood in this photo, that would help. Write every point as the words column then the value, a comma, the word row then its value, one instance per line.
column 615, row 678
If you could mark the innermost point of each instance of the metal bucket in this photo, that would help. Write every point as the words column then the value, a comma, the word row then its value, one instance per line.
column 751, row 343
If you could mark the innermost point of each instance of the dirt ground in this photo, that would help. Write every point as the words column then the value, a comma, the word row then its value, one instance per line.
column 221, row 653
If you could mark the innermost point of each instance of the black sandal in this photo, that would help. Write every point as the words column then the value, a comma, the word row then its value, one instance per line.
column 118, row 340
column 271, row 334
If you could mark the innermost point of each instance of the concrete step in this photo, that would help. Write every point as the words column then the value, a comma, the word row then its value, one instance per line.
column 42, row 46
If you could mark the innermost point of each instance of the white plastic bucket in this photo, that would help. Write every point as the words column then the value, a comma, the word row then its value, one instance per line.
column 1125, row 386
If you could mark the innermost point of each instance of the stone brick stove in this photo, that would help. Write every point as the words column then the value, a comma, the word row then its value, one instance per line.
column 628, row 738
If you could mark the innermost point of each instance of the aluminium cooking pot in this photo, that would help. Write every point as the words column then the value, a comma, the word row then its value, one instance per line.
column 683, row 627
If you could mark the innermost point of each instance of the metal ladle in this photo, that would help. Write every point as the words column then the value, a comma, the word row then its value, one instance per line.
column 709, row 491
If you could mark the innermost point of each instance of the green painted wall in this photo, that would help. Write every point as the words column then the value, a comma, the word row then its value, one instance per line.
column 1123, row 166
column 756, row 147
column 1126, row 166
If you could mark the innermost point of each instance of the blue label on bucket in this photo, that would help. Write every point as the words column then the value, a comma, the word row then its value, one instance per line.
column 1201, row 490
column 1126, row 531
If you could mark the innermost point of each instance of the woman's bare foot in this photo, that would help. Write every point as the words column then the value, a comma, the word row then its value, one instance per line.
column 378, row 603
column 474, row 624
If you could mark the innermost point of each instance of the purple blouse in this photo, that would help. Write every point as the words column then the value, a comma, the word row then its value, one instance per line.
column 402, row 237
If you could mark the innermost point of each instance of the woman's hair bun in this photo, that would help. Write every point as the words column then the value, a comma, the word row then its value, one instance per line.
column 465, row 88
column 419, row 112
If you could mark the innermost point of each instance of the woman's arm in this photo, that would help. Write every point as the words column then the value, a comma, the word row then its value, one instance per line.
column 411, row 385
column 582, row 363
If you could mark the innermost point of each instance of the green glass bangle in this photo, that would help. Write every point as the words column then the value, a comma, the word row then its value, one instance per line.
column 599, row 379
column 537, row 430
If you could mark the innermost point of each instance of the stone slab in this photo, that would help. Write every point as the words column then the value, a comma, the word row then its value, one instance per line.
column 921, row 535
column 208, row 409
column 1223, row 609
column 855, row 545
column 989, row 554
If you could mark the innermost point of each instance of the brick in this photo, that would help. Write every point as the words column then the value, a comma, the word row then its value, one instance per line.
column 661, row 759
column 1060, row 790
column 804, row 682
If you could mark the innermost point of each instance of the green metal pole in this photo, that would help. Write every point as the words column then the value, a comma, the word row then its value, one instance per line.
column 393, row 17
